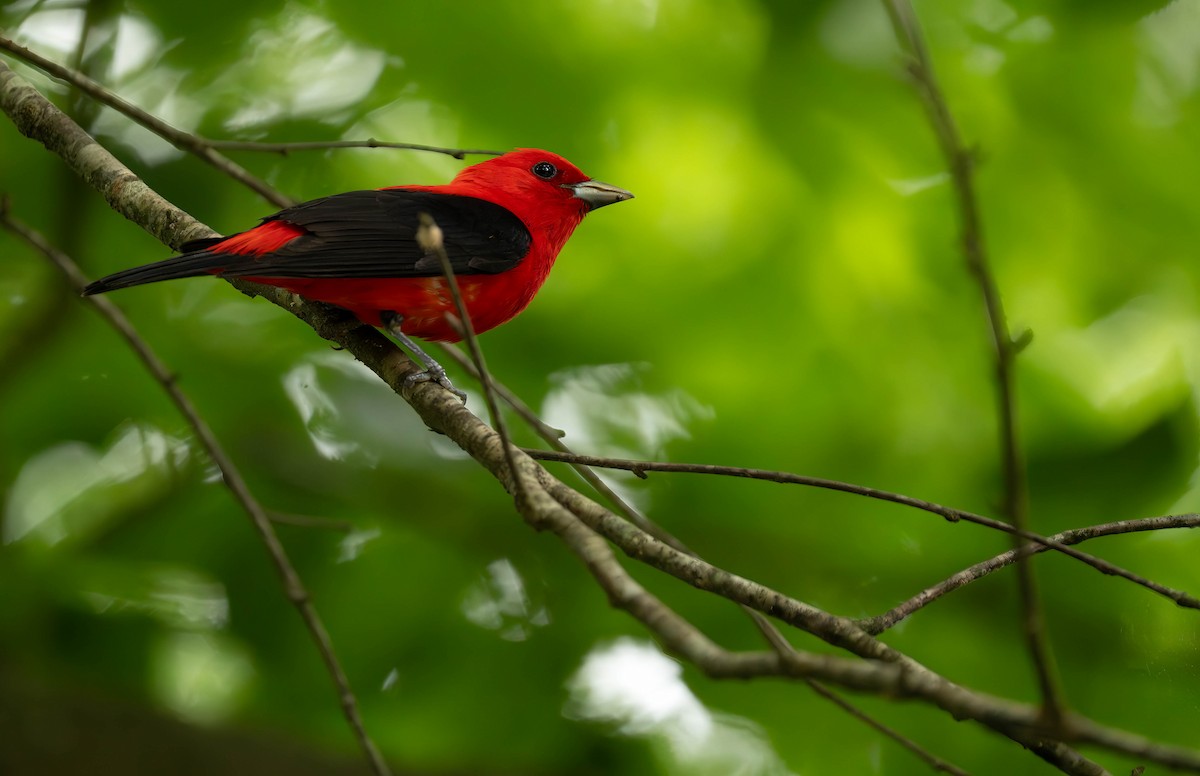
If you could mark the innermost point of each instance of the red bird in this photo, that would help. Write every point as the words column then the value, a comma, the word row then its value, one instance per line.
column 503, row 223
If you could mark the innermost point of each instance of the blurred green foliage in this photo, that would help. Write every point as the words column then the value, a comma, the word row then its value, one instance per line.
column 785, row 292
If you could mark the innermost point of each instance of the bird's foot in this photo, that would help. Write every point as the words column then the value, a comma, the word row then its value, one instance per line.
column 433, row 372
column 436, row 374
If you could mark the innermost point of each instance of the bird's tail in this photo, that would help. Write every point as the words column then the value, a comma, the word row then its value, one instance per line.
column 196, row 260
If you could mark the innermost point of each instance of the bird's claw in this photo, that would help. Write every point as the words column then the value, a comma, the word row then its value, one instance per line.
column 434, row 372
column 438, row 376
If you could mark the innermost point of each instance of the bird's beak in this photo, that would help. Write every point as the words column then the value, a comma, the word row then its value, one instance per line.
column 597, row 194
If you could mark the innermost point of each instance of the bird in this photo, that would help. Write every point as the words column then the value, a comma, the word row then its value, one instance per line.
column 502, row 222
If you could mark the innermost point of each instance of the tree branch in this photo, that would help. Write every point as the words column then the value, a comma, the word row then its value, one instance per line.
column 184, row 141
column 1016, row 501
column 204, row 148
column 324, row 145
column 429, row 235
column 888, row 619
column 293, row 586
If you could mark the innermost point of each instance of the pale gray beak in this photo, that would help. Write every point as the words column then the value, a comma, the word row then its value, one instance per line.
column 597, row 194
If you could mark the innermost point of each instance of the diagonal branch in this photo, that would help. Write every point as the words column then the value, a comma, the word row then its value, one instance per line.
column 184, row 141
column 204, row 148
column 36, row 118
column 937, row 763
column 293, row 586
column 960, row 160
column 553, row 437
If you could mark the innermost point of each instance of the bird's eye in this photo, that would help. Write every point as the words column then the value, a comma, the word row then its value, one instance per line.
column 545, row 170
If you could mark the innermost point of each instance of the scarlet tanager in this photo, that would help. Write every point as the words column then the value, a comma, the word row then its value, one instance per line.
column 503, row 223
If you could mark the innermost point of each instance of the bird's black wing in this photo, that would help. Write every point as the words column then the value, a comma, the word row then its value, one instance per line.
column 358, row 234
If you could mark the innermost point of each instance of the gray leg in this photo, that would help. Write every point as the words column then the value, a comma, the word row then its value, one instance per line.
column 433, row 370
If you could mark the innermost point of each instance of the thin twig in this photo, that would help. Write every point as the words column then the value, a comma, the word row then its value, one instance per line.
column 935, row 762
column 882, row 622
column 953, row 515
column 208, row 149
column 539, row 426
column 182, row 140
column 292, row 584
column 553, row 437
column 789, row 653
column 960, row 160
column 429, row 236
column 640, row 468
column 324, row 145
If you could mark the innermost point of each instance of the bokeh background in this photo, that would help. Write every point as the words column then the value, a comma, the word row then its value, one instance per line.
column 785, row 292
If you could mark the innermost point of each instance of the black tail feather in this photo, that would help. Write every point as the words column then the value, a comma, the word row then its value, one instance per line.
column 186, row 266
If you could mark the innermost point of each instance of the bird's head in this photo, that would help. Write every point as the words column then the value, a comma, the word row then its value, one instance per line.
column 541, row 179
